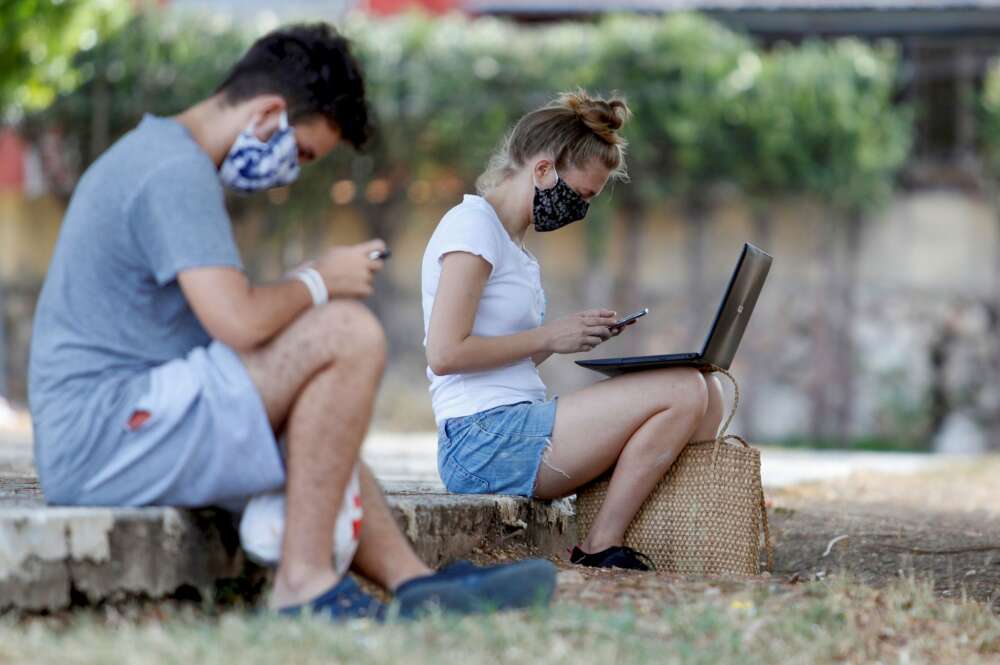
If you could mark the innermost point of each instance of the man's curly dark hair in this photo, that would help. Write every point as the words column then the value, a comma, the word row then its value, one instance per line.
column 312, row 68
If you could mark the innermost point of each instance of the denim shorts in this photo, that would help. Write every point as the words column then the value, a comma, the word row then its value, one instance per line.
column 497, row 451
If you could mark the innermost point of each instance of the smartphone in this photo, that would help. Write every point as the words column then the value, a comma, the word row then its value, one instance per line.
column 380, row 254
column 631, row 317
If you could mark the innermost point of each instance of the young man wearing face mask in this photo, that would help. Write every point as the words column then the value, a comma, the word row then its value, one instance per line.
column 160, row 375
column 486, row 334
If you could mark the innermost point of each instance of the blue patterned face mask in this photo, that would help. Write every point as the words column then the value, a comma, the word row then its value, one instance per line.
column 253, row 165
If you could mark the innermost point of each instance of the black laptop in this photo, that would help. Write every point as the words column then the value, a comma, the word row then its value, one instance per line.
column 726, row 332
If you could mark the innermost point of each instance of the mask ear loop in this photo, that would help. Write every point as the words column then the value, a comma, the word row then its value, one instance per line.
column 547, row 188
column 282, row 127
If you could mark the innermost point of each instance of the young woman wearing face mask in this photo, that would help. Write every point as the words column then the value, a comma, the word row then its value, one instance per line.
column 487, row 332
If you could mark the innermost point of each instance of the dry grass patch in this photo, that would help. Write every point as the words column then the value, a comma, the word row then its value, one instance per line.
column 956, row 485
column 745, row 623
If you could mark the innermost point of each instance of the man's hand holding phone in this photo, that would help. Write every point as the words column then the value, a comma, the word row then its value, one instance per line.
column 348, row 272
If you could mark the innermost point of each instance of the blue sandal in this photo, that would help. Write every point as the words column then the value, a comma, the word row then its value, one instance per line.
column 342, row 602
column 464, row 588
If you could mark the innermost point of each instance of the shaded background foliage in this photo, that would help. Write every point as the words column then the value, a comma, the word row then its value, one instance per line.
column 38, row 41
column 715, row 117
column 709, row 108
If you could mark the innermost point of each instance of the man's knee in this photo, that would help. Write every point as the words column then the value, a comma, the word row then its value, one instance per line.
column 352, row 331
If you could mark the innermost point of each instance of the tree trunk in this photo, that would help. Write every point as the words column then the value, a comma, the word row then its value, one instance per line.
column 3, row 344
column 939, row 402
column 696, row 219
column 754, row 354
column 994, row 307
column 100, row 121
column 844, row 365
column 996, row 265
column 598, row 282
column 628, row 289
column 824, row 356
column 383, row 220
column 379, row 218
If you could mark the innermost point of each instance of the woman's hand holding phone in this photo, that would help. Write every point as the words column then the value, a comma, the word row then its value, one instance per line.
column 579, row 332
column 628, row 320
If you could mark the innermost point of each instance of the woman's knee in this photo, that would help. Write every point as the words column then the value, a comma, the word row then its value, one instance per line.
column 678, row 389
column 688, row 391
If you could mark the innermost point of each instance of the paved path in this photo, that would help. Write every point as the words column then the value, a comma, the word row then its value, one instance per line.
column 15, row 451
column 411, row 458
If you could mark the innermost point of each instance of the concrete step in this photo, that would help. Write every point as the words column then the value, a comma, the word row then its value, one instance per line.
column 51, row 557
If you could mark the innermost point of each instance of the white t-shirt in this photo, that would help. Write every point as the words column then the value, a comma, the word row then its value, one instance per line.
column 512, row 302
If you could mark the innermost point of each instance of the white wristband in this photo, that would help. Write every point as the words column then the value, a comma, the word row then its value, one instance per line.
column 314, row 282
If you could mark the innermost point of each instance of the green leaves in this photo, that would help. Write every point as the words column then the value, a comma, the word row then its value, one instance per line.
column 38, row 39
column 989, row 122
column 709, row 107
column 156, row 63
column 826, row 125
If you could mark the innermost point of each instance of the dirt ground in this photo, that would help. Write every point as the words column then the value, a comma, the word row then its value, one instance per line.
column 941, row 526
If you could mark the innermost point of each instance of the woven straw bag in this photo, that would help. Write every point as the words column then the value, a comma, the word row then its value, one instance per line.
column 706, row 515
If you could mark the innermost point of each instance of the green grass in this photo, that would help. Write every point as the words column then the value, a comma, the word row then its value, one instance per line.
column 822, row 622
column 869, row 444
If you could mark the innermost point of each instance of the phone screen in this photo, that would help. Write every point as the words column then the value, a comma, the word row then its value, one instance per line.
column 631, row 317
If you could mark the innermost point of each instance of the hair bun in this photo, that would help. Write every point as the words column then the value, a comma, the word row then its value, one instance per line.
column 602, row 116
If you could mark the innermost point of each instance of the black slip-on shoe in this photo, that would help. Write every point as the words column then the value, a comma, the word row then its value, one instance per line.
column 618, row 556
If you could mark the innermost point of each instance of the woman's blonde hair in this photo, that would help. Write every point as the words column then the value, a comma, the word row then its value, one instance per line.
column 574, row 129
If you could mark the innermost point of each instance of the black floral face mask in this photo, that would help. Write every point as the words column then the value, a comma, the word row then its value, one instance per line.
column 558, row 206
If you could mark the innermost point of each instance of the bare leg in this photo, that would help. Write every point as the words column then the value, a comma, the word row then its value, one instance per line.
column 384, row 554
column 708, row 429
column 318, row 380
column 639, row 423
column 635, row 477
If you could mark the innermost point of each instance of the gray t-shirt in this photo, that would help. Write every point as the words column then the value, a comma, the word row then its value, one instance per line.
column 111, row 308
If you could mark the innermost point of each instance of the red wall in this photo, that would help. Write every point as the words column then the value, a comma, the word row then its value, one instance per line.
column 11, row 160
column 387, row 7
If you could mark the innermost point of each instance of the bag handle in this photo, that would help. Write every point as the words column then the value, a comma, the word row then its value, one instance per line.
column 733, row 438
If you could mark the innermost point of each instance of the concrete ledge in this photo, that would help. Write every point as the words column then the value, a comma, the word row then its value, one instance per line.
column 51, row 558
column 444, row 527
